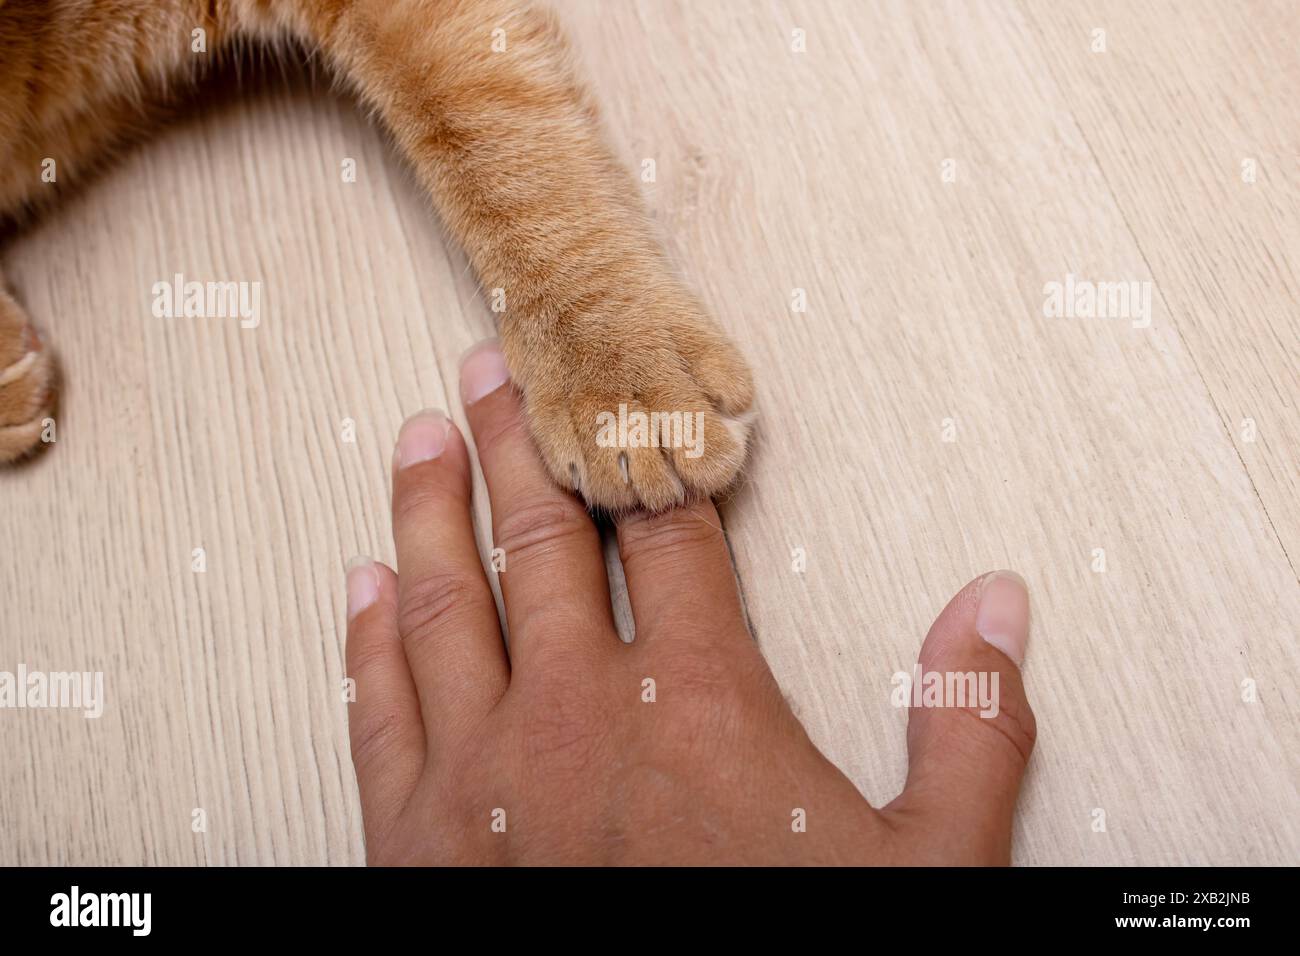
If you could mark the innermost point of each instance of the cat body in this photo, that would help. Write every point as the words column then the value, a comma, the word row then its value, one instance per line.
column 481, row 100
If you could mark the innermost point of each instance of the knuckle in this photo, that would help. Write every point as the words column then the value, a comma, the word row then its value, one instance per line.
column 436, row 601
column 375, row 736
column 702, row 674
column 666, row 536
column 540, row 526
column 494, row 430
column 364, row 656
column 709, row 698
column 1013, row 724
column 1019, row 725
column 418, row 495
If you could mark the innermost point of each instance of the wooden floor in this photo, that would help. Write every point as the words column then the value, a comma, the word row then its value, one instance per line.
column 922, row 172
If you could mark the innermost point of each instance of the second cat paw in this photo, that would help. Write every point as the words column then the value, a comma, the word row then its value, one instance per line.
column 26, row 384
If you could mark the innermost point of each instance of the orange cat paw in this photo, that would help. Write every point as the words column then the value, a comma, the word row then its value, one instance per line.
column 636, row 411
column 26, row 390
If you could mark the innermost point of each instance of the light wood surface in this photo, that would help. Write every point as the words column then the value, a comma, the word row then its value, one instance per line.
column 775, row 171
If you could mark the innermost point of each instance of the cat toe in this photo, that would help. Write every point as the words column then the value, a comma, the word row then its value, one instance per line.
column 26, row 400
column 624, row 452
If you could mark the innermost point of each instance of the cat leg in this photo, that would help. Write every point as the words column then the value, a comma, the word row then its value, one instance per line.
column 77, row 77
column 26, row 383
column 481, row 99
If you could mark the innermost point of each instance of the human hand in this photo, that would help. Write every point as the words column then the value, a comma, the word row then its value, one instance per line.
column 552, row 754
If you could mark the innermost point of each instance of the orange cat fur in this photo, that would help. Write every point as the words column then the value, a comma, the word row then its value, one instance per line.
column 508, row 146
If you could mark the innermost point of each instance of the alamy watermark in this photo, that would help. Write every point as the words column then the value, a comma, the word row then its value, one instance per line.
column 73, row 690
column 77, row 908
column 208, row 300
column 636, row 429
column 1077, row 298
column 961, row 689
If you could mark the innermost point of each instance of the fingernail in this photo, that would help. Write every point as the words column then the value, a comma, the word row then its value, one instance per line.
column 1003, row 615
column 482, row 371
column 422, row 438
column 363, row 585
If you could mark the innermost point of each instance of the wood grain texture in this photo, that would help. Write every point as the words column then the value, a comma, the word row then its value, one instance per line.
column 775, row 171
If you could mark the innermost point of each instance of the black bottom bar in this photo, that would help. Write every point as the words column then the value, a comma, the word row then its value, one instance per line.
column 333, row 906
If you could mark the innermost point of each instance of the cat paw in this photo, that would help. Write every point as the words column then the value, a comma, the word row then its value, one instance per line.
column 634, row 411
column 26, row 384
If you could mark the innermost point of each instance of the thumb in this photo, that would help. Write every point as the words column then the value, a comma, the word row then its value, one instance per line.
column 970, row 729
